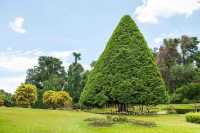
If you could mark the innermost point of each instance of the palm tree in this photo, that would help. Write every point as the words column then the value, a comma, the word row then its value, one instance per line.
column 77, row 56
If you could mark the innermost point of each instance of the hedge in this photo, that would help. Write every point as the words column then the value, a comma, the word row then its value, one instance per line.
column 193, row 117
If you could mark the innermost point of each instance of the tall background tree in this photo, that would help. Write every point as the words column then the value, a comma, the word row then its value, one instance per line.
column 189, row 48
column 49, row 74
column 167, row 57
column 125, row 73
column 77, row 57
column 178, row 60
column 74, row 78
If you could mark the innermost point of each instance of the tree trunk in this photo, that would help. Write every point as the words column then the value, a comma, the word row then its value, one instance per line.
column 122, row 108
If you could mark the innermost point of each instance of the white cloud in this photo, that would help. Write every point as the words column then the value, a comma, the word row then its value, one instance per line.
column 9, row 84
column 159, row 40
column 86, row 67
column 152, row 10
column 18, row 25
column 18, row 61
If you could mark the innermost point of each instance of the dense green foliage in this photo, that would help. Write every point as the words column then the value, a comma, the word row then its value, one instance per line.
column 184, row 74
column 178, row 60
column 48, row 75
column 26, row 95
column 193, row 117
column 59, row 99
column 74, row 81
column 188, row 93
column 7, row 98
column 126, row 72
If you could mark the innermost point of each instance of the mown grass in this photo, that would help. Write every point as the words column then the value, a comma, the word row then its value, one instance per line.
column 18, row 120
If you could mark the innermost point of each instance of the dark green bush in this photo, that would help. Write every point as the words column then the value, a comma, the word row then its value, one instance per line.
column 184, row 111
column 193, row 117
column 188, row 93
column 6, row 99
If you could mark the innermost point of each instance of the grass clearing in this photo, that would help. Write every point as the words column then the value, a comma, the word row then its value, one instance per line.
column 18, row 120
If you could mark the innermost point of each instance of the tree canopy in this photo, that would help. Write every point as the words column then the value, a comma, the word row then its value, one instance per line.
column 49, row 74
column 75, row 77
column 126, row 72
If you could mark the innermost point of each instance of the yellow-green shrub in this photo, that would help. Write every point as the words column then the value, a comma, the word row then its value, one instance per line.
column 57, row 99
column 26, row 95
column 193, row 117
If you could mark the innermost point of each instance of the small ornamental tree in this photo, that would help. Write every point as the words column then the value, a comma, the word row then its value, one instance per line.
column 125, row 73
column 26, row 95
column 57, row 99
column 48, row 98
column 63, row 99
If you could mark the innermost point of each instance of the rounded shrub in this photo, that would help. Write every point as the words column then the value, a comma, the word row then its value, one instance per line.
column 188, row 93
column 193, row 117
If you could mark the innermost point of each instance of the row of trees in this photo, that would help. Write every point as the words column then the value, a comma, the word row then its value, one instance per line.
column 50, row 74
column 26, row 96
column 127, row 73
column 179, row 63
column 49, row 77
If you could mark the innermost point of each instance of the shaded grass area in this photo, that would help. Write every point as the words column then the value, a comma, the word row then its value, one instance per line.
column 118, row 119
column 17, row 120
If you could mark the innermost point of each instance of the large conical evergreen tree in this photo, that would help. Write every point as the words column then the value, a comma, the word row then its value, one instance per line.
column 126, row 72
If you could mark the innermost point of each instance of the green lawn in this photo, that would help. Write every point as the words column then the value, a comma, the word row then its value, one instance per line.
column 17, row 120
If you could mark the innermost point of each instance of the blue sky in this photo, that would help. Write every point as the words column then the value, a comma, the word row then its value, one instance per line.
column 31, row 28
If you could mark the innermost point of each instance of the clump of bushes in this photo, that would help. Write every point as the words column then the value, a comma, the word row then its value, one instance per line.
column 193, row 117
column 6, row 99
column 110, row 120
column 184, row 111
column 188, row 94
